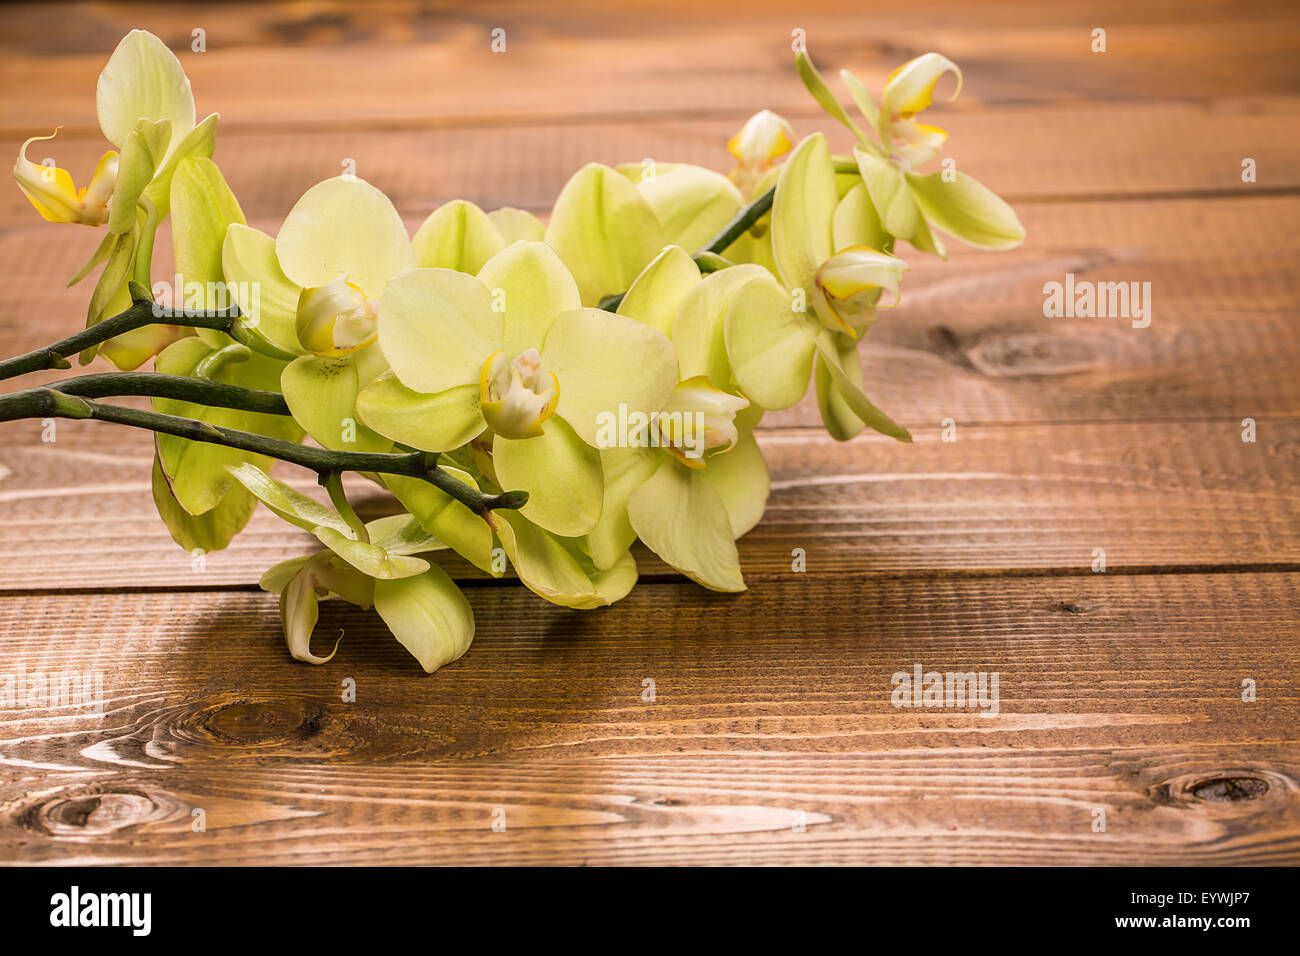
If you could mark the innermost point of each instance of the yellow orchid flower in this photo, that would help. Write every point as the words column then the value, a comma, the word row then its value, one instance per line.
column 908, row 91
column 54, row 194
column 847, row 287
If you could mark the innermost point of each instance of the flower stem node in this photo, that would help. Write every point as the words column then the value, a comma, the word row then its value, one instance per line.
column 516, row 397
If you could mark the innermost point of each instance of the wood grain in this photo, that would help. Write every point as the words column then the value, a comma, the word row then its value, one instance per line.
column 1098, row 709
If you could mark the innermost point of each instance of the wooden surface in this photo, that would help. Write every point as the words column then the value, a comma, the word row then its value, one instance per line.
column 771, row 738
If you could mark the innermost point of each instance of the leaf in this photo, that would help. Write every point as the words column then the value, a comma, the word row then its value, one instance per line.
column 602, row 360
column 657, row 293
column 436, row 329
column 438, row 422
column 680, row 517
column 802, row 212
column 457, row 235
column 530, row 286
column 604, row 231
column 143, row 79
column 561, row 474
column 211, row 531
column 968, row 210
column 344, row 226
column 428, row 615
column 770, row 345
column 692, row 204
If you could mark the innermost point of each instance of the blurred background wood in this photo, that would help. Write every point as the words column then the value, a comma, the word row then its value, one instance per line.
column 771, row 738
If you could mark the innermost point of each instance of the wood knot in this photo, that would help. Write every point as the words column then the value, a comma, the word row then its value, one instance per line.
column 1226, row 791
column 254, row 721
column 94, row 811
column 1073, row 607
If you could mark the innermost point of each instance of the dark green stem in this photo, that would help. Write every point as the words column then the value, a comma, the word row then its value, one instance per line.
column 198, row 391
column 49, row 402
column 140, row 314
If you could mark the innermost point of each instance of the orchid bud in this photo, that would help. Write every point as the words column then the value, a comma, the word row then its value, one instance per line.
column 763, row 138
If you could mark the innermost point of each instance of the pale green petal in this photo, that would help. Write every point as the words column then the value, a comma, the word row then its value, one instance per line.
column 624, row 469
column 457, row 235
column 299, row 611
column 514, row 224
column 344, row 226
column 885, row 184
column 267, row 299
column 544, row 565
column 740, row 478
column 699, row 332
column 144, row 148
column 322, row 394
column 680, row 517
column 857, row 223
column 293, row 506
column 428, row 615
column 402, row 534
column 769, row 344
column 200, row 141
column 370, row 559
column 437, row 328
column 438, row 422
column 692, row 204
column 968, row 210
column 203, row 208
column 530, row 286
column 822, row 93
column 601, row 360
column 841, row 424
column 143, row 79
column 658, row 292
column 276, row 578
column 861, row 98
column 210, row 531
column 561, row 474
column 802, row 212
column 857, row 402
column 446, row 518
column 197, row 470
column 604, row 231
column 616, row 582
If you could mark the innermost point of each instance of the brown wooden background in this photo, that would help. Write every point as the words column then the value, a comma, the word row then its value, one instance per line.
column 1120, row 691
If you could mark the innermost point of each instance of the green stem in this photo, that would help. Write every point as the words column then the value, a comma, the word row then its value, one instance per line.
column 197, row 391
column 333, row 483
column 138, row 315
column 49, row 402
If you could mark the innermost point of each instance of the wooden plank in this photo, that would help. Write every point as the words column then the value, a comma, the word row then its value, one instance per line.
column 1026, row 152
column 673, row 59
column 1116, row 693
column 1150, row 495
